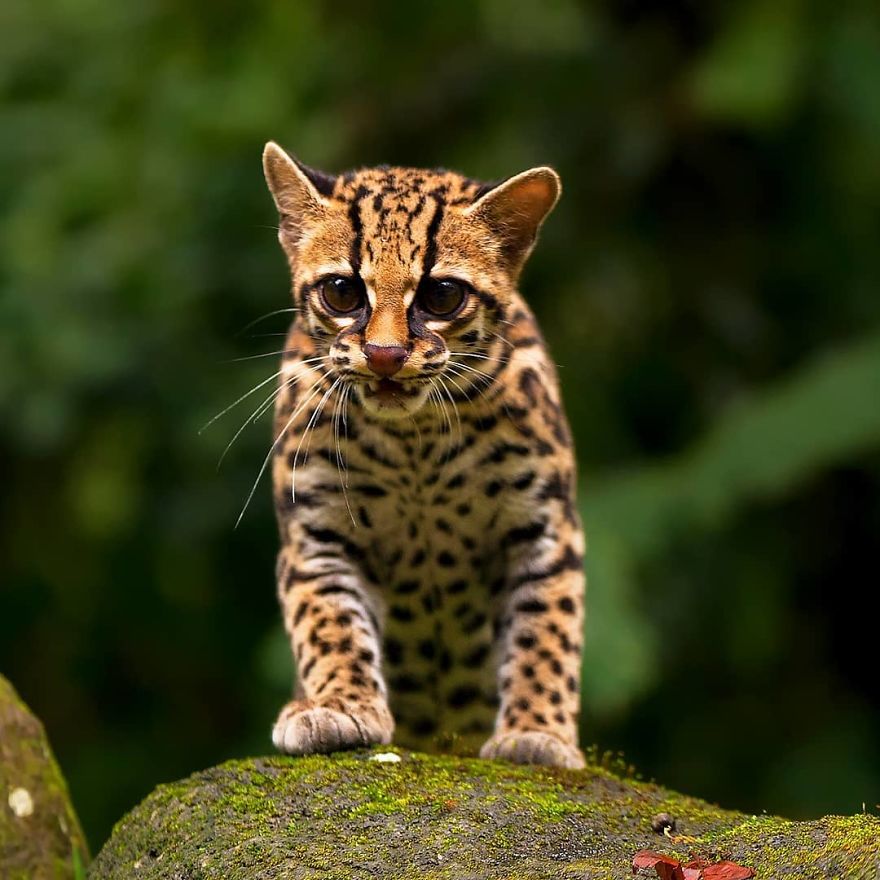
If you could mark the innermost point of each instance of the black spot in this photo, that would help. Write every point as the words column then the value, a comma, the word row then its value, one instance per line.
column 462, row 610
column 405, row 684
column 478, row 656
column 301, row 610
column 417, row 558
column 568, row 561
column 427, row 649
column 446, row 559
column 503, row 450
column 401, row 613
column 530, row 385
column 463, row 509
column 457, row 587
column 478, row 621
column 566, row 604
column 493, row 488
column 531, row 606
column 393, row 651
column 555, row 698
column 336, row 590
column 571, row 684
column 524, row 534
column 404, row 588
column 524, row 481
column 370, row 490
column 539, row 718
column 525, row 641
column 463, row 695
column 486, row 423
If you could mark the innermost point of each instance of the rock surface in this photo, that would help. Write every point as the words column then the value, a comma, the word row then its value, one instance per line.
column 40, row 836
column 346, row 817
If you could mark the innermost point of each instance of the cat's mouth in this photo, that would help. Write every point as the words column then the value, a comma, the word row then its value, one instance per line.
column 389, row 391
column 390, row 399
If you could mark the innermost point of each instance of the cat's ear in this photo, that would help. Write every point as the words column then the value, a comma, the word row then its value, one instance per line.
column 515, row 209
column 299, row 191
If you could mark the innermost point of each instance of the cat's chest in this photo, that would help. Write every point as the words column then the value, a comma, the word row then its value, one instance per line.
column 420, row 501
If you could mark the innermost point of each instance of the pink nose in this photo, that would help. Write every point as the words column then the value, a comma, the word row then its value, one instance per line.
column 385, row 360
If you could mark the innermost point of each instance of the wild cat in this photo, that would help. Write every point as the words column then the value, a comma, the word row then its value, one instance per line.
column 430, row 571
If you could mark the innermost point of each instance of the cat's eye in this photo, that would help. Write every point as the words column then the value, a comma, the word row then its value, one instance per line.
column 341, row 295
column 442, row 297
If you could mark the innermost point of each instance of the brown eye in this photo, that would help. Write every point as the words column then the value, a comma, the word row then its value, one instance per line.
column 341, row 295
column 442, row 297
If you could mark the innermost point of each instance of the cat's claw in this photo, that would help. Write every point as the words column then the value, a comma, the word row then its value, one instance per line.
column 303, row 729
column 532, row 747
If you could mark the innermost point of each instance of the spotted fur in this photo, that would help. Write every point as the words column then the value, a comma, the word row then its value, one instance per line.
column 430, row 571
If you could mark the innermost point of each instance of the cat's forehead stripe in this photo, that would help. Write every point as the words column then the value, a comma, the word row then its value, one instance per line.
column 399, row 210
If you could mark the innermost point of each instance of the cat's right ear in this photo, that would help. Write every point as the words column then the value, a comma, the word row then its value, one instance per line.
column 299, row 191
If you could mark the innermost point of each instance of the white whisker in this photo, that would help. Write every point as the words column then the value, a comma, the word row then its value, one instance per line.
column 275, row 443
column 240, row 399
column 263, row 318
column 306, row 432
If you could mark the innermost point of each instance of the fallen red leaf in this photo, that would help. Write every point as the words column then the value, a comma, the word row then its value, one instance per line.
column 670, row 869
column 694, row 870
column 727, row 871
column 666, row 868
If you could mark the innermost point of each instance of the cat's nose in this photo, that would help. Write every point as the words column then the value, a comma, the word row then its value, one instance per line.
column 385, row 360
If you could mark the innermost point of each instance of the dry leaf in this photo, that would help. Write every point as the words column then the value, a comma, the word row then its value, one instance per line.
column 666, row 868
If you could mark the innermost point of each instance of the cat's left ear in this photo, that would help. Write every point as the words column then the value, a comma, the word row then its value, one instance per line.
column 299, row 191
column 515, row 209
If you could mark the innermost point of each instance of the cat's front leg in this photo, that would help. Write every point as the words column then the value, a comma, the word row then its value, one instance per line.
column 335, row 638
column 540, row 633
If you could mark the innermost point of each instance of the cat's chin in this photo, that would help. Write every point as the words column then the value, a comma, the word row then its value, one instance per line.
column 389, row 400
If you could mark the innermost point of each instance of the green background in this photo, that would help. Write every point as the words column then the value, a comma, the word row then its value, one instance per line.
column 708, row 284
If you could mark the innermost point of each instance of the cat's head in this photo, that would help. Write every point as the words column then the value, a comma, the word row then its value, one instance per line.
column 403, row 276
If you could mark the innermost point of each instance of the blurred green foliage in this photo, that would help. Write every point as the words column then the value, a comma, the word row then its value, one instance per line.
column 709, row 285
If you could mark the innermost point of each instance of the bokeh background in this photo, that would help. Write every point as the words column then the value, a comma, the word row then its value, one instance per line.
column 710, row 286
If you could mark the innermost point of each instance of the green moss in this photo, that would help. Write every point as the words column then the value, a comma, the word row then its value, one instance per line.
column 443, row 817
column 45, row 839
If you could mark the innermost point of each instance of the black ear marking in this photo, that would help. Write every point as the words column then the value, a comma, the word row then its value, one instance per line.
column 299, row 191
column 323, row 182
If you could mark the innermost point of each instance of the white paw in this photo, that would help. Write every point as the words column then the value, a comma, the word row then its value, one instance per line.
column 305, row 730
column 532, row 747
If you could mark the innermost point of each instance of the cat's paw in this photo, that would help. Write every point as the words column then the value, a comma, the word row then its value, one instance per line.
column 303, row 728
column 532, row 747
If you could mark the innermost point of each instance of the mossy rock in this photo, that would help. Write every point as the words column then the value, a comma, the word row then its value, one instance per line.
column 346, row 817
column 40, row 836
